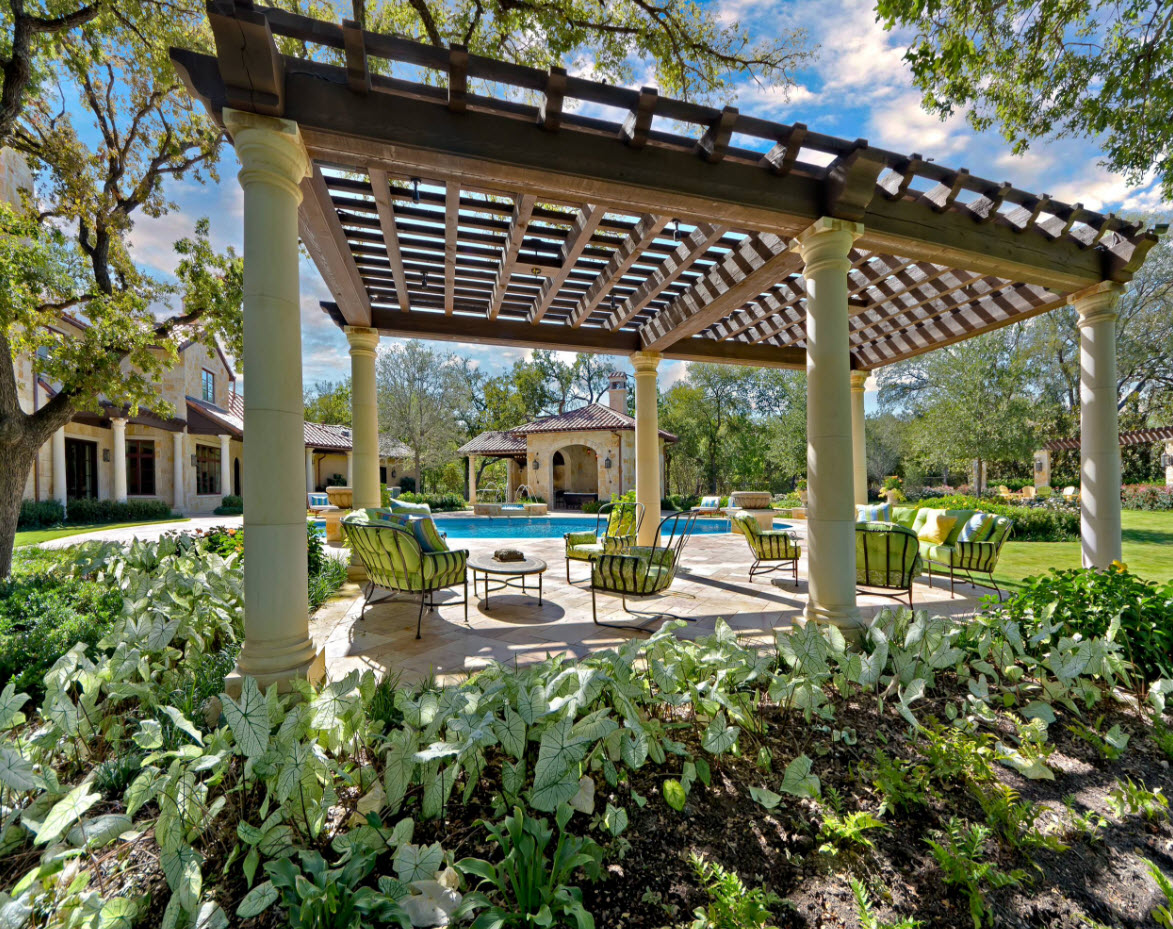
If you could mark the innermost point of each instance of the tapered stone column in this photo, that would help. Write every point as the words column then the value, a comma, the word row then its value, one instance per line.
column 1099, row 450
column 225, row 465
column 647, row 444
column 58, row 450
column 178, row 453
column 311, row 478
column 859, row 437
column 472, row 481
column 1042, row 468
column 830, row 460
column 363, row 462
column 277, row 645
column 119, row 428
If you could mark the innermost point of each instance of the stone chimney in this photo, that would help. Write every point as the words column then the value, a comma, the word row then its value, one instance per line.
column 617, row 391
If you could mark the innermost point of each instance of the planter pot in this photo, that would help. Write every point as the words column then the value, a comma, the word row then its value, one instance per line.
column 341, row 497
column 890, row 496
column 802, row 496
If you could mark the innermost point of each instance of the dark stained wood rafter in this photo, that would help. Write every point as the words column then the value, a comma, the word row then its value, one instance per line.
column 531, row 223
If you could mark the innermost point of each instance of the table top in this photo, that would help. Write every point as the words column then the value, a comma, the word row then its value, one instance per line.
column 491, row 565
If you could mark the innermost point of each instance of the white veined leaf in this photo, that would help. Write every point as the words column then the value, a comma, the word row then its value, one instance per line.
column 767, row 798
column 511, row 733
column 1117, row 738
column 584, row 800
column 1037, row 709
column 437, row 791
column 615, row 819
column 798, row 779
column 909, row 695
column 532, row 704
column 553, row 793
column 718, row 738
column 418, row 862
column 399, row 770
column 559, row 751
column 14, row 913
column 10, row 704
column 257, row 900
column 436, row 751
column 16, row 772
column 99, row 831
column 116, row 913
column 633, row 747
column 513, row 778
column 66, row 812
column 149, row 735
column 211, row 916
column 1033, row 768
column 181, row 867
column 248, row 719
column 183, row 724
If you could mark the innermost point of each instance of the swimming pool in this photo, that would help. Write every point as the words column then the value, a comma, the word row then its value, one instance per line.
column 542, row 527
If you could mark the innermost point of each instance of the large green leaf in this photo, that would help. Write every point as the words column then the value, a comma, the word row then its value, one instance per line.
column 10, row 704
column 418, row 862
column 511, row 732
column 181, row 867
column 16, row 772
column 718, row 737
column 248, row 719
column 798, row 779
column 66, row 812
column 257, row 900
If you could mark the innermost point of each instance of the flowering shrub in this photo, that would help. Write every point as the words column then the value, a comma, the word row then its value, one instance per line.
column 1146, row 497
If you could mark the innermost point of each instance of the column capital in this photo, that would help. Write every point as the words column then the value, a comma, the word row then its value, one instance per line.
column 826, row 239
column 645, row 362
column 363, row 341
column 858, row 380
column 225, row 438
column 118, row 422
column 270, row 149
column 1097, row 303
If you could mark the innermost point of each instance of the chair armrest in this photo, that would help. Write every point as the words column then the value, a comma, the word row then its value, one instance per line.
column 580, row 538
column 444, row 562
column 618, row 544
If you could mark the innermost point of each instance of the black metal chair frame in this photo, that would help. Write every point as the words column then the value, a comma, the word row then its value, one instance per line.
column 600, row 525
column 677, row 538
column 880, row 590
column 769, row 567
column 967, row 573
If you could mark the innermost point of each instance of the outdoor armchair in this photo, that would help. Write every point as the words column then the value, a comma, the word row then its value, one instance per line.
column 613, row 536
column 642, row 571
column 887, row 558
column 709, row 506
column 772, row 549
column 396, row 560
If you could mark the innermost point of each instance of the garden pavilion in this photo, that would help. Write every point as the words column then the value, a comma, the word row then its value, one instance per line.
column 643, row 226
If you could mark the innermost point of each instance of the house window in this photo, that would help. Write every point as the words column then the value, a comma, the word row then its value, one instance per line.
column 209, row 386
column 207, row 469
column 140, row 467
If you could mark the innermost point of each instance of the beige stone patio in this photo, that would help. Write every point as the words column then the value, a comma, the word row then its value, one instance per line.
column 714, row 583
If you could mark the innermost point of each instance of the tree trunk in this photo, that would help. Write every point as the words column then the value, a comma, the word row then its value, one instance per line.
column 18, row 458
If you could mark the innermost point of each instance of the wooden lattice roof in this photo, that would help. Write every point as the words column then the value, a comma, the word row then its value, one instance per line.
column 1136, row 437
column 440, row 211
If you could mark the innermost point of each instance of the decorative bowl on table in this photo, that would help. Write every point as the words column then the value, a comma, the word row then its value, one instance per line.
column 507, row 555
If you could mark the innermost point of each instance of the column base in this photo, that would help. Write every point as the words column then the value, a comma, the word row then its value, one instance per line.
column 313, row 670
column 356, row 571
column 847, row 620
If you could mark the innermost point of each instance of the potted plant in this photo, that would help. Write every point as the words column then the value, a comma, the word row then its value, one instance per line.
column 800, row 489
column 892, row 490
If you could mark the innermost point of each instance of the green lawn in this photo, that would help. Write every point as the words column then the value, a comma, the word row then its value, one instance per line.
column 1148, row 551
column 33, row 536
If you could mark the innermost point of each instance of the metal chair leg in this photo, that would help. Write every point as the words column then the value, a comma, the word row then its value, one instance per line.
column 567, row 570
column 420, row 619
column 466, row 599
column 952, row 594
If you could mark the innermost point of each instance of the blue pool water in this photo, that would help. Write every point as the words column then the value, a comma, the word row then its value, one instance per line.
column 542, row 527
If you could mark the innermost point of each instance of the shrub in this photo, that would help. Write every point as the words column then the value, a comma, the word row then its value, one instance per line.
column 438, row 503
column 336, row 480
column 1087, row 601
column 1146, row 497
column 113, row 511
column 42, row 616
column 37, row 514
column 407, row 484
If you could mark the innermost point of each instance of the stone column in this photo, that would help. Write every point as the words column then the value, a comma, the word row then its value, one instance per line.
column 647, row 444
column 1099, row 452
column 858, row 437
column 311, row 478
column 825, row 246
column 58, row 449
column 178, row 453
column 1168, row 464
column 363, row 463
column 1042, row 468
column 119, row 427
column 277, row 645
column 472, row 480
column 225, row 465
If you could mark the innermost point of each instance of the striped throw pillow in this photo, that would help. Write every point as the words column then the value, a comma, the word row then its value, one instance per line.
column 879, row 513
column 428, row 535
column 975, row 528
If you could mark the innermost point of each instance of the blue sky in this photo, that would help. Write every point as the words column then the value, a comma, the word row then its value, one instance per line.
column 857, row 87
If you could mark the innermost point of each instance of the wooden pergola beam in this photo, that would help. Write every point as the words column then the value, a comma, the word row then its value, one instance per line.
column 523, row 207
column 742, row 275
column 325, row 240
column 380, row 188
column 643, row 235
column 580, row 234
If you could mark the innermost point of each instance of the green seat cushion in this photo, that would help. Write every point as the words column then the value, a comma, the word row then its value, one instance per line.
column 886, row 555
column 584, row 551
column 941, row 554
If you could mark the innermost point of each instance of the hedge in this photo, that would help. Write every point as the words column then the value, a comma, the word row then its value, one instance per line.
column 111, row 511
column 230, row 505
column 36, row 514
column 438, row 503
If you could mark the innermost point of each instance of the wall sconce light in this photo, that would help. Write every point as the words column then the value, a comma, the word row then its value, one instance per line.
column 1039, row 464
column 536, row 464
column 105, row 454
column 607, row 462
column 393, row 474
column 1167, row 461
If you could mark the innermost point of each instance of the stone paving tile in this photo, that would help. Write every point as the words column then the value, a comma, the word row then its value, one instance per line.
column 714, row 583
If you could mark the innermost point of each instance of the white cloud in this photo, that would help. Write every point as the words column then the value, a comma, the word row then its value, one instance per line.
column 902, row 124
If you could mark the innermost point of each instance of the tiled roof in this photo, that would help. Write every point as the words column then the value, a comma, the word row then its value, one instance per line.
column 1139, row 437
column 594, row 416
column 494, row 443
column 327, row 437
column 393, row 448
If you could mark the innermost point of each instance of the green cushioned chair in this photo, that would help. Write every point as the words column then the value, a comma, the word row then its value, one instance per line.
column 395, row 561
column 959, row 555
column 642, row 571
column 616, row 526
column 773, row 549
column 887, row 558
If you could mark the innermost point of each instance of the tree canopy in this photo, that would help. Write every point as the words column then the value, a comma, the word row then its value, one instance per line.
column 1036, row 69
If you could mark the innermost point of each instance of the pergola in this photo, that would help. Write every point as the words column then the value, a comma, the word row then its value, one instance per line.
column 604, row 219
